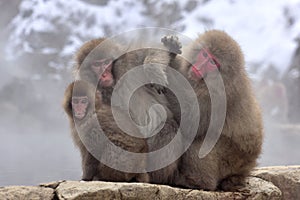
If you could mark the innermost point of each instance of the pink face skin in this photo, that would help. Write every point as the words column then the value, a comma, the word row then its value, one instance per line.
column 80, row 105
column 205, row 63
column 103, row 68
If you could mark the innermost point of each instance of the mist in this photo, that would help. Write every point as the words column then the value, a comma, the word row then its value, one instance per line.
column 36, row 67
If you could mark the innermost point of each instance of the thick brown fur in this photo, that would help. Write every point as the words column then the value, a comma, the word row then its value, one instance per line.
column 88, row 52
column 92, row 168
column 123, row 61
column 236, row 152
column 143, row 97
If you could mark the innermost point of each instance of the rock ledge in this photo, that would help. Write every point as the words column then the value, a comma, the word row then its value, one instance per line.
column 265, row 183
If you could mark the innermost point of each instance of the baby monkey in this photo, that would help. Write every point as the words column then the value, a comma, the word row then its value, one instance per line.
column 87, row 116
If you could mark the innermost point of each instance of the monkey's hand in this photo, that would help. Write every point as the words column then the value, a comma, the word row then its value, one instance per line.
column 171, row 42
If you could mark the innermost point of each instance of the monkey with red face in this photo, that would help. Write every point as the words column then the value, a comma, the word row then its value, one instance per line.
column 234, row 155
column 102, row 63
column 96, row 65
column 80, row 106
column 206, row 63
column 85, row 112
column 103, row 68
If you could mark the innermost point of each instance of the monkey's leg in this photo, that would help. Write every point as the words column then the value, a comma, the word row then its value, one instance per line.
column 234, row 183
column 195, row 180
column 144, row 178
column 167, row 174
column 198, row 173
column 89, row 166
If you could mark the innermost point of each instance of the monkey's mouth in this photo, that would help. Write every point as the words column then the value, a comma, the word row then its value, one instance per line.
column 196, row 73
column 79, row 115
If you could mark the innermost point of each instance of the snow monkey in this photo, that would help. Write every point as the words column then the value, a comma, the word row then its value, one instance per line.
column 103, row 69
column 240, row 142
column 85, row 109
column 102, row 62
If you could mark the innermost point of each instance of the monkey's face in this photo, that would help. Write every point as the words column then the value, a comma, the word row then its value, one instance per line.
column 103, row 70
column 80, row 106
column 205, row 64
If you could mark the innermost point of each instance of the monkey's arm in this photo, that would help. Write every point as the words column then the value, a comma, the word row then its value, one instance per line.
column 89, row 164
column 156, row 62
column 88, row 137
column 155, row 65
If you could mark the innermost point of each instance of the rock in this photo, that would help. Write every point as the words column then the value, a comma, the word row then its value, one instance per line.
column 286, row 178
column 26, row 192
column 74, row 190
column 260, row 189
column 52, row 185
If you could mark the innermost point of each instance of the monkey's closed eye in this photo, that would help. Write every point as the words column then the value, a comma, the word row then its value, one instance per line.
column 107, row 62
column 212, row 61
column 96, row 63
column 204, row 54
column 85, row 101
column 99, row 63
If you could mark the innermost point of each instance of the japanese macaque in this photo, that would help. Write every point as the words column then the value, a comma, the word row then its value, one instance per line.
column 236, row 151
column 85, row 110
column 102, row 67
column 103, row 62
column 96, row 68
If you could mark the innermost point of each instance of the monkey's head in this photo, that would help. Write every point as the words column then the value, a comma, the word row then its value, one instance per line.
column 95, row 60
column 80, row 99
column 215, row 51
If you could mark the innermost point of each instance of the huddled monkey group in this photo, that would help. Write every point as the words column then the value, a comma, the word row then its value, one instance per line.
column 87, row 101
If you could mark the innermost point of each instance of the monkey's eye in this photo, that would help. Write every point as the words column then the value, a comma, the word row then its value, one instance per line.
column 97, row 63
column 107, row 62
column 100, row 63
column 204, row 54
column 212, row 61
column 84, row 101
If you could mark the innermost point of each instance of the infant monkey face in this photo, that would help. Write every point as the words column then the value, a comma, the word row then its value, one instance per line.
column 80, row 105
column 103, row 70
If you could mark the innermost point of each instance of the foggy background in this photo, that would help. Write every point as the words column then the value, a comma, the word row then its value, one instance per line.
column 38, row 38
